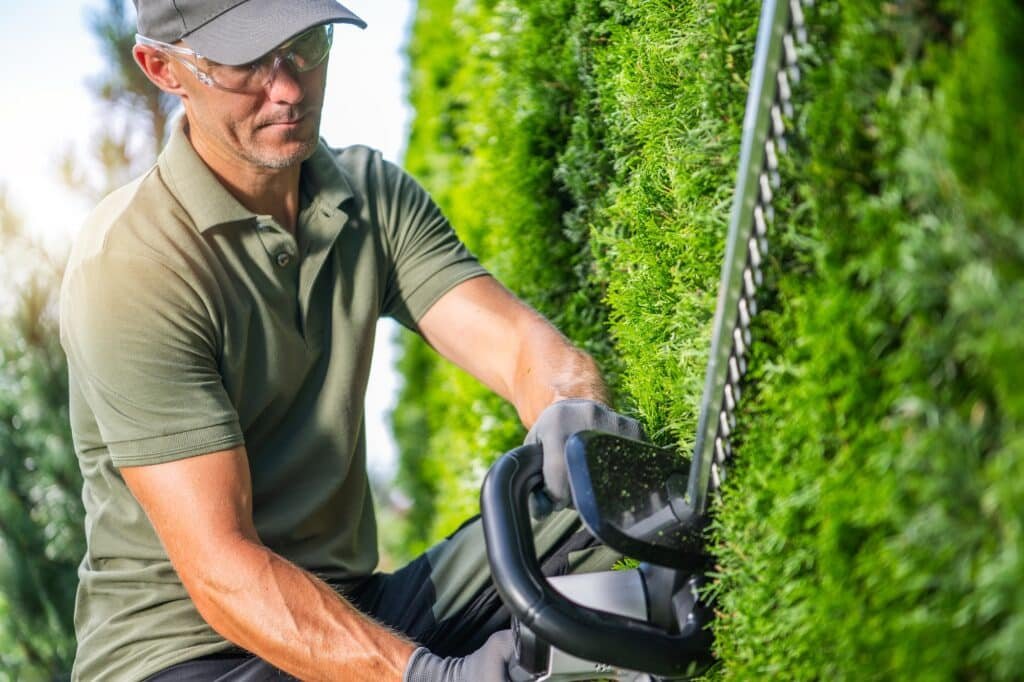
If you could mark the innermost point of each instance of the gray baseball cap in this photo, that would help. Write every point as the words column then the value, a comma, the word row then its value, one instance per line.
column 236, row 31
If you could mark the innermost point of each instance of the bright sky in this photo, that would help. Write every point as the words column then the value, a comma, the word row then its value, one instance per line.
column 48, row 55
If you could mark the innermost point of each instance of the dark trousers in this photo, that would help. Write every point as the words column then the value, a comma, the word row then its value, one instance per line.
column 443, row 600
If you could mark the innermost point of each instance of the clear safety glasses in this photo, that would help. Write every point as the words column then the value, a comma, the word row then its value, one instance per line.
column 305, row 51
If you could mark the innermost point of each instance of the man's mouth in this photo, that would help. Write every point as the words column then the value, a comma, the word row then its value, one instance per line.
column 290, row 122
column 286, row 122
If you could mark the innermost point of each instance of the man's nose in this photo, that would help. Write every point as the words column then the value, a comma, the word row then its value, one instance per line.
column 284, row 85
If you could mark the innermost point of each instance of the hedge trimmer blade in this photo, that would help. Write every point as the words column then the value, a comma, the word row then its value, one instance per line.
column 769, row 104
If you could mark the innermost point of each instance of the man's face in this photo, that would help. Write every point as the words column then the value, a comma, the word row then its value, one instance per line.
column 274, row 128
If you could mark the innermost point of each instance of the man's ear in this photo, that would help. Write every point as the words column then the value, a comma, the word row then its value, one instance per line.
column 157, row 67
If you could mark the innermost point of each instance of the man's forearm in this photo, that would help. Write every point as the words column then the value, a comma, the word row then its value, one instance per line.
column 267, row 605
column 480, row 326
column 548, row 369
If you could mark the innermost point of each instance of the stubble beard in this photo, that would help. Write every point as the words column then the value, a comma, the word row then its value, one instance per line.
column 265, row 156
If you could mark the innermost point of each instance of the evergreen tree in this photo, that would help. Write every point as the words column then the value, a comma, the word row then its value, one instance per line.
column 41, row 540
column 41, row 513
column 136, row 115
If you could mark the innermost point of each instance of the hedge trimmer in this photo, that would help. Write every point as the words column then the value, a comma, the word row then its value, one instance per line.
column 642, row 501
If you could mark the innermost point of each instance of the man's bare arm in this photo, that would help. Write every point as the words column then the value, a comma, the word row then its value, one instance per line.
column 201, row 508
column 483, row 328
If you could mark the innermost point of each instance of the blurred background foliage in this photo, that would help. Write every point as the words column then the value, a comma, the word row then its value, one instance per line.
column 42, row 536
column 41, row 516
column 585, row 149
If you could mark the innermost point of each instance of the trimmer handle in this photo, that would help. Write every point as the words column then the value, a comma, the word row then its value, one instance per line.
column 587, row 633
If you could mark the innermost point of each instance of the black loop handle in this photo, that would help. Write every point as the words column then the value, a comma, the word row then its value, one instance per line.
column 581, row 631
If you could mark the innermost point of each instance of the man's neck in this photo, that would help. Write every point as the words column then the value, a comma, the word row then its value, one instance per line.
column 264, row 191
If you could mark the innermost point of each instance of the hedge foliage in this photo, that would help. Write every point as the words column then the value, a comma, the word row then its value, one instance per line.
column 585, row 150
column 877, row 523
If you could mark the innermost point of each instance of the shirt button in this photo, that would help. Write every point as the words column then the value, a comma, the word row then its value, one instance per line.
column 283, row 259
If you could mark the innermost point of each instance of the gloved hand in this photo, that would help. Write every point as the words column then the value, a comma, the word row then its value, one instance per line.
column 552, row 429
column 489, row 663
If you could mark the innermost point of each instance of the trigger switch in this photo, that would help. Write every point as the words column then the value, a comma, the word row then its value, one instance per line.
column 530, row 654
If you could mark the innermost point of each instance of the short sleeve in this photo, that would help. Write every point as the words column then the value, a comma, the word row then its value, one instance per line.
column 141, row 347
column 428, row 259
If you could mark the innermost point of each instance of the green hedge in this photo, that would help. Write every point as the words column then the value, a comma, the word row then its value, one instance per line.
column 876, row 526
column 585, row 150
column 495, row 92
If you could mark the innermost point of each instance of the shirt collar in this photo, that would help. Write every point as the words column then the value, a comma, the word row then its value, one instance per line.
column 209, row 203
column 327, row 182
column 195, row 186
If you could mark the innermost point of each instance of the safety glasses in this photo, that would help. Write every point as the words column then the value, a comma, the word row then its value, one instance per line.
column 305, row 52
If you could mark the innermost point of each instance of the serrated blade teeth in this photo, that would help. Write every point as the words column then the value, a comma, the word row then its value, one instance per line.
column 721, row 454
column 745, row 278
column 785, row 93
column 766, row 189
column 754, row 252
column 770, row 155
column 760, row 224
column 748, row 283
column 744, row 314
column 797, row 15
column 734, row 370
column 778, row 124
column 789, row 49
column 738, row 341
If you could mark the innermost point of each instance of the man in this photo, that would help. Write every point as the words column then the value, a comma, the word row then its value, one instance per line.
column 218, row 317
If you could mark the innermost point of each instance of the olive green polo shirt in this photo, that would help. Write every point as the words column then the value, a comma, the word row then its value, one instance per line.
column 192, row 325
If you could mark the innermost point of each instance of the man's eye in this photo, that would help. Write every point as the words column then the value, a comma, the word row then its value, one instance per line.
column 249, row 67
column 305, row 41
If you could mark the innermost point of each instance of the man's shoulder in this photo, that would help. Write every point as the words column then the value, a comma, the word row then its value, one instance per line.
column 138, row 248
column 138, row 242
column 132, row 220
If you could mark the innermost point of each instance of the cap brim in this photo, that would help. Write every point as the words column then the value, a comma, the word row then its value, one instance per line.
column 252, row 29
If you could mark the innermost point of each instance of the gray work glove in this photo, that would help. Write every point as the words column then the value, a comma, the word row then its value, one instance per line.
column 489, row 663
column 553, row 427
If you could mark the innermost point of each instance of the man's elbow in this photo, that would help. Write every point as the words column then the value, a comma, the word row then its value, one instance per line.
column 219, row 577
